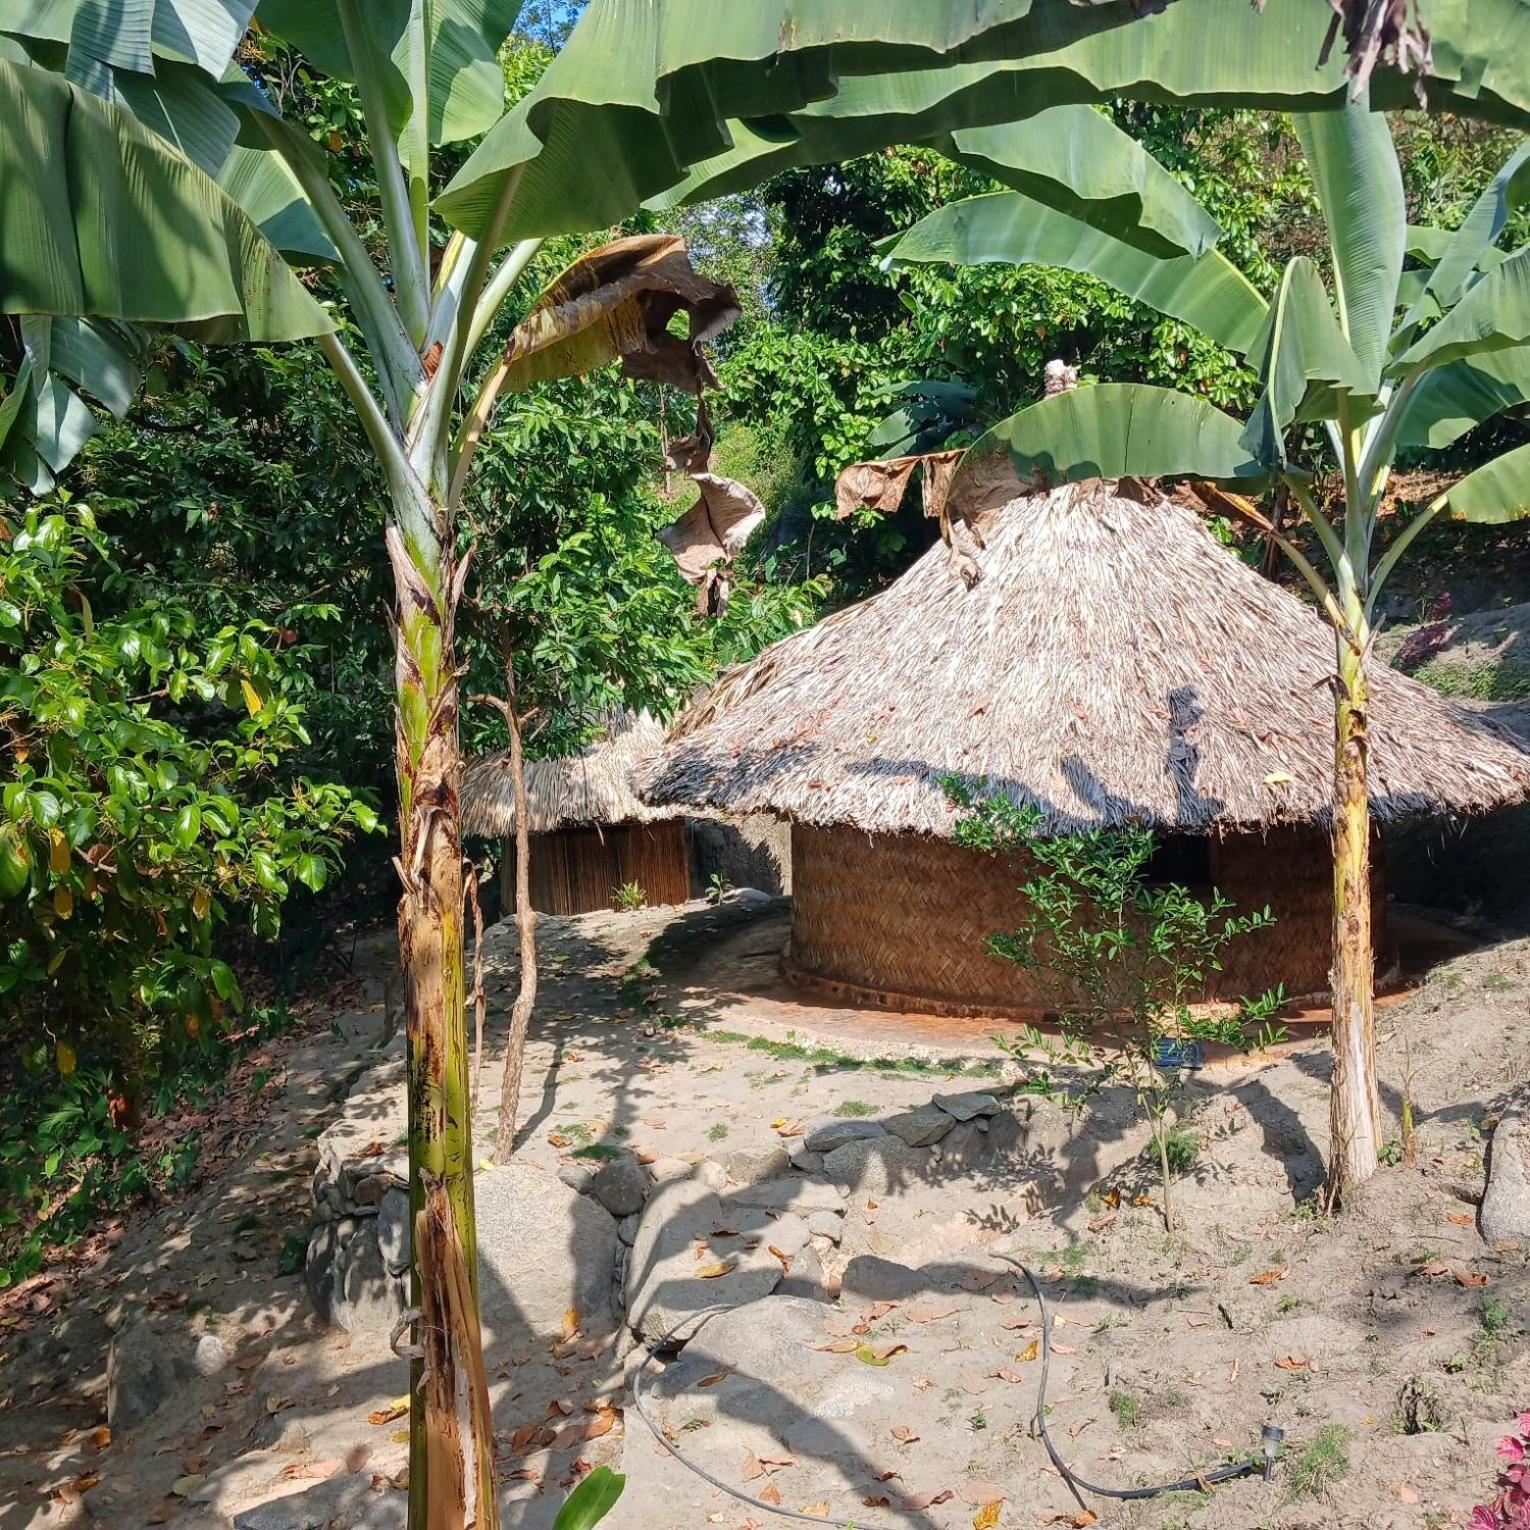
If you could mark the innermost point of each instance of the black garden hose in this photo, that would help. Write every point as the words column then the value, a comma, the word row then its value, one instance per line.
column 1077, row 1485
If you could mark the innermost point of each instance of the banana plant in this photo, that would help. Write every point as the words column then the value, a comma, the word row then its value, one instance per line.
column 1395, row 356
column 651, row 101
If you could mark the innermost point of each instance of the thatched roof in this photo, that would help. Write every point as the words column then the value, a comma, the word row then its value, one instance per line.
column 1113, row 663
column 581, row 790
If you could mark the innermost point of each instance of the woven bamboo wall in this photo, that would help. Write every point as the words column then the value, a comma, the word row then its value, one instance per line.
column 577, row 870
column 903, row 920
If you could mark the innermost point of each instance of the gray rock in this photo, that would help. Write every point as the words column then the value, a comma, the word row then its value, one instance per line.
column 621, row 1186
column 393, row 1231
column 371, row 1190
column 921, row 1127
column 871, row 1168
column 342, row 1503
column 830, row 1132
column 627, row 1228
column 748, row 1166
column 665, row 1171
column 210, row 1356
column 805, row 1277
column 882, row 1280
column 789, row 1234
column 768, row 1339
column 790, row 1193
column 966, row 1105
column 146, row 1363
column 711, row 1174
column 364, row 1295
column 1505, row 1212
column 808, row 1163
column 542, row 1249
column 663, row 1289
column 825, row 1224
column 577, row 1176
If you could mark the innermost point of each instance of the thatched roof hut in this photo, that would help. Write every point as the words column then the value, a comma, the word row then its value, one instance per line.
column 591, row 833
column 1112, row 664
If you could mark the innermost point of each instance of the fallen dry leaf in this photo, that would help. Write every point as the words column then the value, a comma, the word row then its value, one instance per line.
column 981, row 1494
column 1080, row 1521
column 570, row 1323
column 926, row 1500
column 1031, row 1350
column 713, row 1379
column 395, row 1409
column 275, row 1404
column 838, row 1347
column 1293, row 1363
column 586, row 1429
column 315, row 1471
column 869, row 1356
column 1470, row 1278
column 1018, row 1322
column 1432, row 1269
column 818, row 1510
column 1268, row 1278
column 986, row 1517
column 771, row 1494
column 928, row 1314
column 716, row 1268
column 881, row 1502
column 1460, row 1218
column 879, row 1310
column 973, row 1383
column 775, row 1253
column 1061, row 1349
column 765, row 1466
column 1005, row 1374
column 557, row 1139
column 905, row 1433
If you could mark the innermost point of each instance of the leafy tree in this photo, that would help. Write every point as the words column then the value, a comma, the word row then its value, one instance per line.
column 1127, row 957
column 1397, row 357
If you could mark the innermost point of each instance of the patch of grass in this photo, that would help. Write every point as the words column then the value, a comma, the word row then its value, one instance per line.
column 1109, row 1321
column 718, row 1131
column 1499, row 982
column 826, row 1060
column 1072, row 1259
column 1127, row 1407
column 851, row 1109
column 1324, row 1462
column 600, row 1150
column 1289, row 1304
column 1174, row 1398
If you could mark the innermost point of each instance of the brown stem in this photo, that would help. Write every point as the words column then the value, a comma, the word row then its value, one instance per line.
column 525, row 925
column 1355, row 1106
column 450, row 1442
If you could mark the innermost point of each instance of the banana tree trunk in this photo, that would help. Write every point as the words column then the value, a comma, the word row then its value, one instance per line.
column 1355, row 1108
column 451, row 1469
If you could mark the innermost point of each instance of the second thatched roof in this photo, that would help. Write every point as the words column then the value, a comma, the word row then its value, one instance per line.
column 1112, row 664
column 592, row 788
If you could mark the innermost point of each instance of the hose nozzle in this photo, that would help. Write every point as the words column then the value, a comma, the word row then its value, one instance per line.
column 1271, row 1437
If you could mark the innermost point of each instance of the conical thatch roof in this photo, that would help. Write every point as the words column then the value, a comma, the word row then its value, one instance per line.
column 581, row 790
column 1112, row 663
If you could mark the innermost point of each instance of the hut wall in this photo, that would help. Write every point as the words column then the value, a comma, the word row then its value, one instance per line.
column 903, row 920
column 754, row 851
column 577, row 870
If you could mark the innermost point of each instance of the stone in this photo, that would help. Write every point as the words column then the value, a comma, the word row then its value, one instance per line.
column 711, row 1174
column 365, row 1296
column 768, row 1339
column 394, row 1238
column 748, row 1166
column 806, row 1162
column 921, row 1127
column 371, row 1190
column 966, row 1105
column 346, row 1502
column 825, row 1224
column 830, row 1132
column 1505, row 1214
column 577, row 1176
column 871, row 1168
column 146, row 1363
column 542, row 1249
column 627, row 1228
column 210, row 1356
column 883, row 1280
column 789, row 1234
column 805, row 1277
column 621, row 1186
column 663, row 1288
column 790, row 1193
column 665, row 1171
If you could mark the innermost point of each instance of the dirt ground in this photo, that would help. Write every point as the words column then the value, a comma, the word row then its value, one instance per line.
column 1390, row 1343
